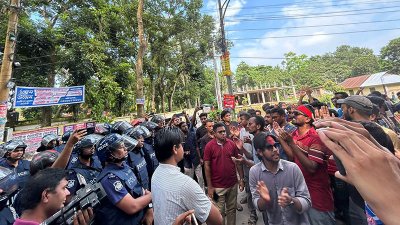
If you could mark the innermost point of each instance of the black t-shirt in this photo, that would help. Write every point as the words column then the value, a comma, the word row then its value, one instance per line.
column 200, row 132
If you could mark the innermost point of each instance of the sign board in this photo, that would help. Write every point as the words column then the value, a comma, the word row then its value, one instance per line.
column 226, row 64
column 32, row 139
column 77, row 126
column 229, row 101
column 37, row 96
column 140, row 101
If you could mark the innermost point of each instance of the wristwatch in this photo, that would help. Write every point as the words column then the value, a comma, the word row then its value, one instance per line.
column 151, row 205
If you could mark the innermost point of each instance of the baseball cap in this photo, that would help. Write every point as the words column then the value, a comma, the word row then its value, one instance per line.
column 358, row 102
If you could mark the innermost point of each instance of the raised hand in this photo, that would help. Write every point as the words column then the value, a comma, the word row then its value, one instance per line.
column 263, row 191
column 234, row 131
column 238, row 142
column 284, row 198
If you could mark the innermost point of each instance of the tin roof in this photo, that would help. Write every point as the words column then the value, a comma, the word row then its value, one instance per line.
column 354, row 82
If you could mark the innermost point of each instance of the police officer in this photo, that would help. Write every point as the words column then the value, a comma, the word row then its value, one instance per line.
column 13, row 160
column 73, row 158
column 127, row 202
column 49, row 141
column 8, row 187
column 159, row 120
column 137, row 161
column 148, row 150
column 64, row 139
column 87, row 165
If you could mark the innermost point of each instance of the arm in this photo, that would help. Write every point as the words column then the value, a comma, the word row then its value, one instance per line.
column 207, row 168
column 214, row 218
column 193, row 120
column 131, row 205
column 286, row 148
column 260, row 198
column 308, row 164
column 302, row 199
column 62, row 160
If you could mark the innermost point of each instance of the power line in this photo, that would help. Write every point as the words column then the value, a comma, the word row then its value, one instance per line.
column 304, row 3
column 321, row 25
column 291, row 10
column 321, row 34
column 321, row 15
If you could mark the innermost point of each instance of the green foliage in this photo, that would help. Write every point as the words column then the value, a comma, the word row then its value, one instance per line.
column 390, row 56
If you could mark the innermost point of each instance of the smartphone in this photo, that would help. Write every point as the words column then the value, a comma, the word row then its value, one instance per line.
column 90, row 127
column 340, row 166
column 194, row 220
column 215, row 197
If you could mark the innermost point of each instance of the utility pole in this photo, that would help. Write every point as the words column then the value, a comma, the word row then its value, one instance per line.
column 222, row 10
column 8, row 60
column 217, row 83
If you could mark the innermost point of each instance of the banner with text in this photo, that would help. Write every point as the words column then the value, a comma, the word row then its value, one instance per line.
column 38, row 97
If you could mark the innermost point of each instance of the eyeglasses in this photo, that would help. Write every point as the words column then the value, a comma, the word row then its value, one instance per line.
column 273, row 147
column 297, row 113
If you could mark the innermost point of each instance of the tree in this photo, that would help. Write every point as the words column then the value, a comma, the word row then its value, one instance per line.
column 139, row 59
column 390, row 55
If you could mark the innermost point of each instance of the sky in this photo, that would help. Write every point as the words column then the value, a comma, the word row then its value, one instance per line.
column 262, row 31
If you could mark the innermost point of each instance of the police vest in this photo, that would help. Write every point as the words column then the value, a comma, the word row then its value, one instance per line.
column 109, row 214
column 138, row 164
column 90, row 174
column 151, row 159
column 22, row 170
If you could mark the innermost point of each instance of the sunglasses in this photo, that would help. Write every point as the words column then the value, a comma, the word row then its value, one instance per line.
column 296, row 113
column 272, row 147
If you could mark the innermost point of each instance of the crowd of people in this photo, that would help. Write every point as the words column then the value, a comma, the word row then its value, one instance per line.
column 306, row 163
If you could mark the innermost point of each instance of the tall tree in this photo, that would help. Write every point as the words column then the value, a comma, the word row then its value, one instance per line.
column 139, row 59
column 390, row 54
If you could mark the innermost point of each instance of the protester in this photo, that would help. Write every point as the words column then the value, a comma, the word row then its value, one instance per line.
column 45, row 194
column 192, row 155
column 255, row 127
column 278, row 186
column 178, row 193
column 201, row 131
column 227, row 121
column 221, row 173
column 279, row 119
column 246, row 160
column 311, row 156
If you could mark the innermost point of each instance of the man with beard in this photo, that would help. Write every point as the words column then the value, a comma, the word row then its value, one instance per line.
column 356, row 108
column 44, row 194
column 278, row 186
column 87, row 165
column 13, row 160
column 311, row 155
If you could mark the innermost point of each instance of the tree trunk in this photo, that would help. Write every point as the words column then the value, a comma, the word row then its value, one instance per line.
column 139, row 61
column 47, row 111
column 153, row 95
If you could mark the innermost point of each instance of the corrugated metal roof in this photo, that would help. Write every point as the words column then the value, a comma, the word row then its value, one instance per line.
column 380, row 79
column 354, row 82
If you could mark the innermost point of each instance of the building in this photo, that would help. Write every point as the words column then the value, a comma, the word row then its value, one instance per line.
column 383, row 82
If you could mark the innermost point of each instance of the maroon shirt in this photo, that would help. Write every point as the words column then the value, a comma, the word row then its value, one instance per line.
column 223, row 169
column 318, row 183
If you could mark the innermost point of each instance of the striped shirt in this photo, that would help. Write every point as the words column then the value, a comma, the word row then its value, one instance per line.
column 318, row 183
column 174, row 193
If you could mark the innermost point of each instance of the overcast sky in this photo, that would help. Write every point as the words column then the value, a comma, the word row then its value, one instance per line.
column 259, row 29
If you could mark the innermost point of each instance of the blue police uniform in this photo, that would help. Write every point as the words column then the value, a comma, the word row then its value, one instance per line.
column 138, row 164
column 22, row 170
column 6, row 216
column 118, row 181
column 72, row 160
column 90, row 173
column 151, row 159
